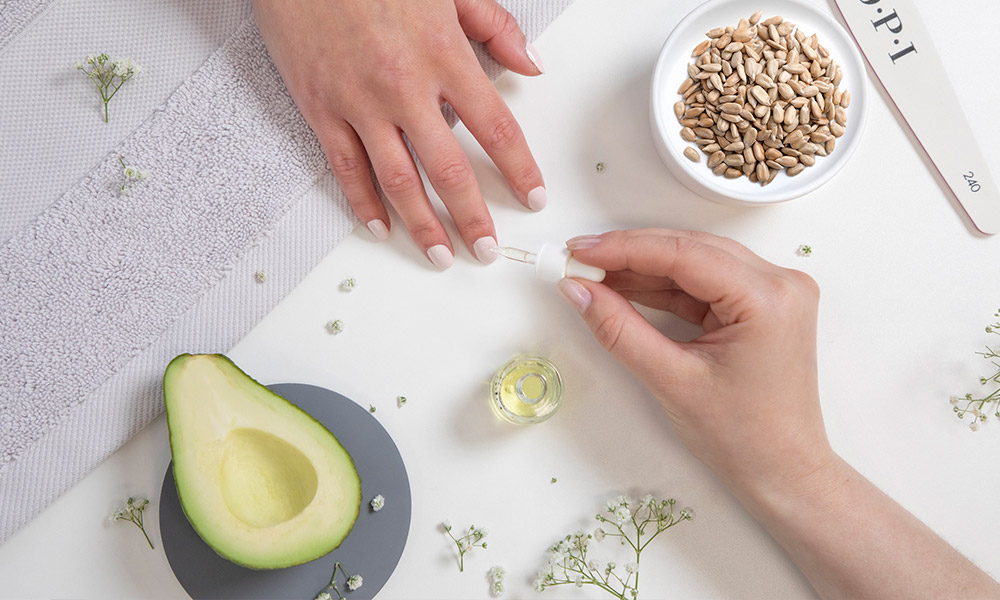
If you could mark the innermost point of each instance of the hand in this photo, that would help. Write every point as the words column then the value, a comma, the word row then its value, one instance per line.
column 744, row 399
column 365, row 72
column 743, row 396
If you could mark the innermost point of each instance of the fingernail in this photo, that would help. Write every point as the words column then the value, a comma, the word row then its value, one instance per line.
column 529, row 49
column 583, row 242
column 482, row 249
column 378, row 229
column 441, row 256
column 537, row 199
column 575, row 294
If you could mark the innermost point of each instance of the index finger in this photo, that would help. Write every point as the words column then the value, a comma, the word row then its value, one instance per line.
column 707, row 272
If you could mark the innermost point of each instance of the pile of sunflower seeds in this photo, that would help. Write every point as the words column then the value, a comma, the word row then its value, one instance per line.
column 759, row 98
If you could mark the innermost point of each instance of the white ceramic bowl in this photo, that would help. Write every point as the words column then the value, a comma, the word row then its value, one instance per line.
column 671, row 71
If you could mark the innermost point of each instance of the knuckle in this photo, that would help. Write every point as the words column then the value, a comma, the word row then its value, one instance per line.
column 609, row 331
column 502, row 132
column 399, row 181
column 806, row 284
column 425, row 230
column 526, row 178
column 504, row 23
column 479, row 222
column 347, row 167
column 451, row 173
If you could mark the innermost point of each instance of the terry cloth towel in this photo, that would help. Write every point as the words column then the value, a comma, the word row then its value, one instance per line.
column 15, row 15
column 101, row 288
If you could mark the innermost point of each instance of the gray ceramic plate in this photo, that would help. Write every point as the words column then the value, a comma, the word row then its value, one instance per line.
column 372, row 549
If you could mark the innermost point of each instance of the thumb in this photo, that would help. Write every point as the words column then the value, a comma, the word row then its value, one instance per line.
column 652, row 357
column 488, row 22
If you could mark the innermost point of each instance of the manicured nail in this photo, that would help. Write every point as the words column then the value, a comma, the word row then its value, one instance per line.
column 482, row 249
column 537, row 199
column 378, row 229
column 529, row 49
column 441, row 256
column 583, row 242
column 575, row 294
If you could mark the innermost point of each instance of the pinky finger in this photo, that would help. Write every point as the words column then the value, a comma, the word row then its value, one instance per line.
column 350, row 165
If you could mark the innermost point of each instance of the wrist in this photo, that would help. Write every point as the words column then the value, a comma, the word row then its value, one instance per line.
column 814, row 486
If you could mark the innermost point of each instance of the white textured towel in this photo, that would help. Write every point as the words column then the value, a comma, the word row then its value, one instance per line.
column 98, row 290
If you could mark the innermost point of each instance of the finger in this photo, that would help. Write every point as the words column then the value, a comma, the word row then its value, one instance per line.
column 705, row 271
column 450, row 173
column 488, row 22
column 677, row 302
column 630, row 280
column 489, row 120
column 397, row 175
column 351, row 167
column 728, row 244
column 629, row 337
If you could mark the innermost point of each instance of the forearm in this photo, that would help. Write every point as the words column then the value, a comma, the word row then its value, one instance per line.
column 853, row 541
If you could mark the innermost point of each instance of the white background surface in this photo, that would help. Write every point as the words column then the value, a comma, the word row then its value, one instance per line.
column 907, row 288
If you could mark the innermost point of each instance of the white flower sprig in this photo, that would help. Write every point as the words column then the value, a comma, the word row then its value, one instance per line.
column 978, row 408
column 131, row 511
column 473, row 538
column 130, row 174
column 569, row 562
column 354, row 582
column 108, row 74
column 377, row 503
column 496, row 575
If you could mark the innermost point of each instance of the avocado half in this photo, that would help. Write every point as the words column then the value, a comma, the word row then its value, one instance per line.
column 262, row 482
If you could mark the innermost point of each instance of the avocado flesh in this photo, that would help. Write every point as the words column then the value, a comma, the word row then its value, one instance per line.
column 262, row 482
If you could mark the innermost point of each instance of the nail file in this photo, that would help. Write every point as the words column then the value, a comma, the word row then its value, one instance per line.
column 899, row 50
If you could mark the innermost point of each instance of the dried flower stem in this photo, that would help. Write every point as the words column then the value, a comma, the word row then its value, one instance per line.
column 132, row 512
column 108, row 75
column 977, row 407
column 473, row 538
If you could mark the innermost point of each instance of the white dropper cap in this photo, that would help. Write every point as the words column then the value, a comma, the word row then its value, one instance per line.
column 554, row 262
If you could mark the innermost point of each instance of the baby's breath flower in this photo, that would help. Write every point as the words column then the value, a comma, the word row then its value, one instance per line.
column 131, row 511
column 473, row 538
column 400, row 401
column 348, row 284
column 129, row 174
column 804, row 250
column 354, row 582
column 378, row 502
column 496, row 575
column 569, row 560
column 371, row 408
column 108, row 75
column 687, row 513
column 324, row 596
column 335, row 327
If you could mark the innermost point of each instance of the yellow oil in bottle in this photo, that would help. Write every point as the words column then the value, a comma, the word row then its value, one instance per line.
column 528, row 389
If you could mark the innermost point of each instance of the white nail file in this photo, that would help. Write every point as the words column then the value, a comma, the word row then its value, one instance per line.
column 894, row 40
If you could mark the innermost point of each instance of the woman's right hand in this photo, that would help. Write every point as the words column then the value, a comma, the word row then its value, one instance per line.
column 365, row 72
column 743, row 396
